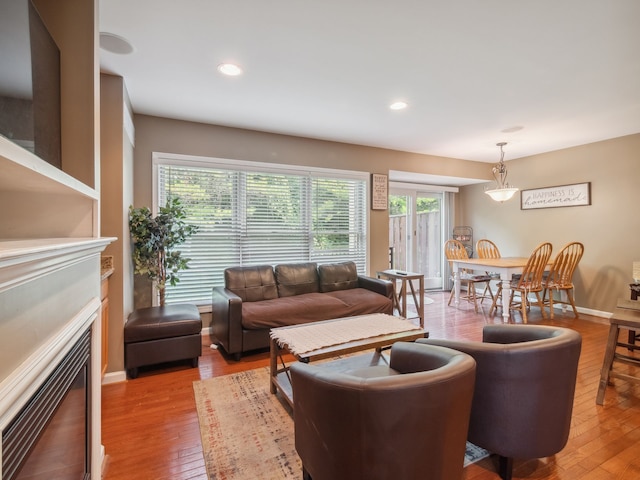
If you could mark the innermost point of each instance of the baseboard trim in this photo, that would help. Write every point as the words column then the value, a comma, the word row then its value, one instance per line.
column 103, row 460
column 603, row 316
column 114, row 377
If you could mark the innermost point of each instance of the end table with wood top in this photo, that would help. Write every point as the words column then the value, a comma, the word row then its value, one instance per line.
column 406, row 280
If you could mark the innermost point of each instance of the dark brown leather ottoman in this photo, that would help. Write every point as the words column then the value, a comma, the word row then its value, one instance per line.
column 162, row 334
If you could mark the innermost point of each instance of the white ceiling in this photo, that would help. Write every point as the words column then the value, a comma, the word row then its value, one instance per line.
column 567, row 71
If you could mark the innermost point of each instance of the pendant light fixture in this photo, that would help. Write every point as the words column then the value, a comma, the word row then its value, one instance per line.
column 503, row 190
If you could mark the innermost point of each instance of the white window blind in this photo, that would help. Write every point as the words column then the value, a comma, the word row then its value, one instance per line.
column 250, row 217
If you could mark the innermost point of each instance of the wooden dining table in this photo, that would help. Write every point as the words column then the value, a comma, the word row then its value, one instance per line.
column 505, row 266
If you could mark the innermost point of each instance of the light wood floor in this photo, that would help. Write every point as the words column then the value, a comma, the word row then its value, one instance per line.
column 150, row 427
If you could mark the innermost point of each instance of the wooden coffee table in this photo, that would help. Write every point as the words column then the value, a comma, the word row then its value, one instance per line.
column 279, row 375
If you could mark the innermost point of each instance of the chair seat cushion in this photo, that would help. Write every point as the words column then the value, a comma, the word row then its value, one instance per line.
column 531, row 286
column 154, row 323
column 476, row 278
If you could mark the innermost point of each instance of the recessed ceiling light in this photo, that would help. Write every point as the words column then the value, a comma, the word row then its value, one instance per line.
column 115, row 44
column 398, row 105
column 229, row 69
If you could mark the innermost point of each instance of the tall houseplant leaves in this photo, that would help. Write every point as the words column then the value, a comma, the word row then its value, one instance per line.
column 155, row 240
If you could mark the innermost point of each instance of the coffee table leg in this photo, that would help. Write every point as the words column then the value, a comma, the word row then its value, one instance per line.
column 273, row 365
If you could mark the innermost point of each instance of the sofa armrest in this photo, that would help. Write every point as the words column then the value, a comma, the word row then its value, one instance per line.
column 226, row 319
column 378, row 285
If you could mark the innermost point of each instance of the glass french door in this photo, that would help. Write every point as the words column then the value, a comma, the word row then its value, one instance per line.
column 415, row 233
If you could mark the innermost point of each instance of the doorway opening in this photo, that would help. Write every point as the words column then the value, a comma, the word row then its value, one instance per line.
column 417, row 222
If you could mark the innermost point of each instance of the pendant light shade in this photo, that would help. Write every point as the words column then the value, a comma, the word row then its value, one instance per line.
column 503, row 190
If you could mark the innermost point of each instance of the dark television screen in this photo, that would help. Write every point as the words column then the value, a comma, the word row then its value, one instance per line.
column 29, row 81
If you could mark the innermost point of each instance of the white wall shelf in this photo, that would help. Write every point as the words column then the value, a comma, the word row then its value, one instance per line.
column 22, row 171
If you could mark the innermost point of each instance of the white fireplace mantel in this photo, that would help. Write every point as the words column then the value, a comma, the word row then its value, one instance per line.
column 49, row 296
column 25, row 260
column 33, row 260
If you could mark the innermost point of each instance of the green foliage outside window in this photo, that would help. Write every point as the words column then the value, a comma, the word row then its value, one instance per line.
column 398, row 205
column 253, row 217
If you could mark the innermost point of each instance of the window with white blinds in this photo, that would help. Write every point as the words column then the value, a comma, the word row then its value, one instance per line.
column 250, row 214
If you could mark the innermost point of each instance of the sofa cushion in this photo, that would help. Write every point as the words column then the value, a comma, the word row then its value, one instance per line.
column 338, row 276
column 308, row 307
column 253, row 283
column 313, row 307
column 360, row 301
column 296, row 278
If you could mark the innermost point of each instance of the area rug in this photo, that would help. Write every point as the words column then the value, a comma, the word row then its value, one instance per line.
column 247, row 433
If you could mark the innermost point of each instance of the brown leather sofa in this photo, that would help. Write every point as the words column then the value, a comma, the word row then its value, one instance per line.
column 525, row 384
column 404, row 421
column 258, row 298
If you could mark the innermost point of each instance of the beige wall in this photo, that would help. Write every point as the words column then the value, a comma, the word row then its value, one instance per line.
column 72, row 25
column 115, row 197
column 605, row 227
column 155, row 134
column 608, row 228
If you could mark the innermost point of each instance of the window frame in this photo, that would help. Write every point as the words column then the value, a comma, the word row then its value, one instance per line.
column 181, row 160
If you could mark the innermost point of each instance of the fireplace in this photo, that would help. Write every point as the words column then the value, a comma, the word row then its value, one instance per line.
column 49, row 436
column 50, row 344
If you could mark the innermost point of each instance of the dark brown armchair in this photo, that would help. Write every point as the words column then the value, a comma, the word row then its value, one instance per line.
column 404, row 421
column 525, row 383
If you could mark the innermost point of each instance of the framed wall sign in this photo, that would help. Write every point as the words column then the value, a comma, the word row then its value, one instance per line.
column 561, row 196
column 379, row 191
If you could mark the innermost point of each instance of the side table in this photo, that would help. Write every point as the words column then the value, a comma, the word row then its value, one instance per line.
column 406, row 280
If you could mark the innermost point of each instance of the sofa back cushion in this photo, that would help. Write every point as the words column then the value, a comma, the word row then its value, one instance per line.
column 297, row 278
column 253, row 283
column 338, row 276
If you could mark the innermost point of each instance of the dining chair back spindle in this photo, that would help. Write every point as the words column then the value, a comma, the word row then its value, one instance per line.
column 455, row 250
column 560, row 277
column 530, row 281
column 487, row 249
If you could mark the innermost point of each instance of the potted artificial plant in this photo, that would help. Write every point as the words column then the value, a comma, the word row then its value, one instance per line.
column 155, row 240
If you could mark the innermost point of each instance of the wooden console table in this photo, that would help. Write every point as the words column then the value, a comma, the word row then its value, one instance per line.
column 400, row 295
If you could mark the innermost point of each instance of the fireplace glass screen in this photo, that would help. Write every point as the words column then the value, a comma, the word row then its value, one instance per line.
column 48, row 439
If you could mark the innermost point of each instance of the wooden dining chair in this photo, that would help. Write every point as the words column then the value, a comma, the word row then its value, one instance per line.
column 530, row 281
column 487, row 249
column 454, row 250
column 560, row 277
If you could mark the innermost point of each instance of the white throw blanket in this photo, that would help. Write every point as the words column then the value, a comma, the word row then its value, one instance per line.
column 305, row 338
